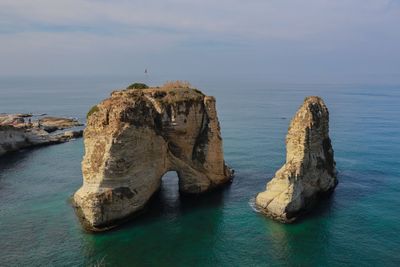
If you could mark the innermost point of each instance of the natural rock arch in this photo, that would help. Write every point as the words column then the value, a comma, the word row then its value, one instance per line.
column 136, row 136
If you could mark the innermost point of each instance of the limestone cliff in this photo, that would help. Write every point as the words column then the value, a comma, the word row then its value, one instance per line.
column 16, row 133
column 137, row 135
column 309, row 170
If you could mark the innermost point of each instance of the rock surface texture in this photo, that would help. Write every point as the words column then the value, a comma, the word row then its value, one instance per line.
column 17, row 133
column 51, row 124
column 137, row 135
column 309, row 171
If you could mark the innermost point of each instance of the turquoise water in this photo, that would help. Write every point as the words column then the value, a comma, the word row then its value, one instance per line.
column 358, row 225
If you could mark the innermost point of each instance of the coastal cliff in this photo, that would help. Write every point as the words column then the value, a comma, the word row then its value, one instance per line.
column 137, row 135
column 309, row 170
column 17, row 134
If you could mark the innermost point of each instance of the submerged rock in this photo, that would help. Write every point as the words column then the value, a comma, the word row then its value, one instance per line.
column 309, row 170
column 137, row 135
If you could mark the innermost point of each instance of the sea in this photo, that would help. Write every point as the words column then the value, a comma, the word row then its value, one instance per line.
column 359, row 225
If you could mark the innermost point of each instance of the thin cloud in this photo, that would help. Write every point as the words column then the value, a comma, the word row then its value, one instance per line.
column 141, row 29
column 258, row 19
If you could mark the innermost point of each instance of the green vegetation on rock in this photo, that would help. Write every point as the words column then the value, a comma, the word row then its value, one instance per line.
column 137, row 86
column 91, row 111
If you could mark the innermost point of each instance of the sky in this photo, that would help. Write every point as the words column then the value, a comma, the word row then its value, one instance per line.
column 281, row 39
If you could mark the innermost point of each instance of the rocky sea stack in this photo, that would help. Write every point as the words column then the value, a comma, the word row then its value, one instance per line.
column 309, row 171
column 137, row 135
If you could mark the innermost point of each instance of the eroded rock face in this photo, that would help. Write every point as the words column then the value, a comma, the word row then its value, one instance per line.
column 134, row 137
column 309, row 170
column 51, row 124
column 17, row 132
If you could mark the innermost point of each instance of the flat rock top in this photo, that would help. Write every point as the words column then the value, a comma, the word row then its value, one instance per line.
column 313, row 99
column 161, row 94
column 59, row 122
column 29, row 122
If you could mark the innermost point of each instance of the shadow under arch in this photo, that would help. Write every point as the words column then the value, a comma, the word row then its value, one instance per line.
column 170, row 202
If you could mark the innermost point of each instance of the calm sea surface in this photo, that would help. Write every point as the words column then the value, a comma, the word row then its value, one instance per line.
column 359, row 225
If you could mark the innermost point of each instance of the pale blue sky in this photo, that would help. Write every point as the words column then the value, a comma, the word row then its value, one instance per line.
column 308, row 40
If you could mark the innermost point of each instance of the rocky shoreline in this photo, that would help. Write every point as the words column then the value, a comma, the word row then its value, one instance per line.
column 22, row 131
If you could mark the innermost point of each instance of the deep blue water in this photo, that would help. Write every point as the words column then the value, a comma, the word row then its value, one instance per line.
column 357, row 226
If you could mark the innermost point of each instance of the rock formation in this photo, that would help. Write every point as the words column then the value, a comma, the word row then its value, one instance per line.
column 309, row 170
column 16, row 133
column 51, row 124
column 137, row 135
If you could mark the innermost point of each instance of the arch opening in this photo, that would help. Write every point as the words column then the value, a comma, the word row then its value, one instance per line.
column 169, row 190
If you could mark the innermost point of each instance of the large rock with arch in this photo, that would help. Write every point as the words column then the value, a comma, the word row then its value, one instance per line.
column 137, row 135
